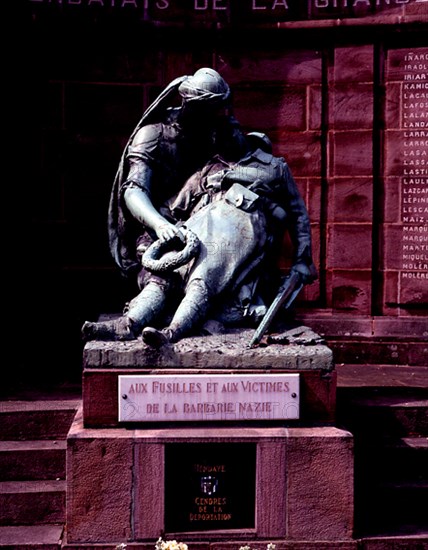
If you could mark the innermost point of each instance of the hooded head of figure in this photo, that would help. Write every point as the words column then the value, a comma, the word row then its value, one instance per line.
column 204, row 94
column 206, row 86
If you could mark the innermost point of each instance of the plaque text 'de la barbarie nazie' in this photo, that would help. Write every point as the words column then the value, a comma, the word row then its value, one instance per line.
column 184, row 397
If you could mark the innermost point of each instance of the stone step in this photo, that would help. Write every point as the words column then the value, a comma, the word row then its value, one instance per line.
column 388, row 506
column 380, row 376
column 369, row 340
column 32, row 502
column 32, row 460
column 49, row 419
column 402, row 541
column 31, row 537
column 403, row 460
column 410, row 539
column 398, row 413
column 372, row 350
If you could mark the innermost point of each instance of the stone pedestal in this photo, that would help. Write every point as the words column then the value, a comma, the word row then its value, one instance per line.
column 287, row 481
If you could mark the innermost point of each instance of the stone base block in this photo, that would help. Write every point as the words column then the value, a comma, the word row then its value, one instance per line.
column 226, row 354
column 117, row 490
column 100, row 394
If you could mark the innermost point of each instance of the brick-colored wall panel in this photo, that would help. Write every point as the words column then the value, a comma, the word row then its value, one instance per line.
column 312, row 292
column 393, row 105
column 391, row 205
column 313, row 201
column 352, row 106
column 102, row 515
column 353, row 64
column 392, row 257
column 394, row 153
column 396, row 69
column 403, row 155
column 279, row 107
column 390, row 292
column 351, row 291
column 352, row 153
column 417, row 9
column 302, row 151
column 413, row 290
column 177, row 60
column 349, row 246
column 314, row 107
column 316, row 242
column 350, row 200
column 289, row 67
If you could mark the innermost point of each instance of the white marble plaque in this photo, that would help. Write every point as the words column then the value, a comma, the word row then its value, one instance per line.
column 190, row 397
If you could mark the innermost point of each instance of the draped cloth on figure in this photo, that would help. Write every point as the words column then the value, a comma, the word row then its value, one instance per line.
column 167, row 134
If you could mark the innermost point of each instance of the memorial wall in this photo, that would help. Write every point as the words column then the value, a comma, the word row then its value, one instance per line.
column 406, row 176
column 340, row 86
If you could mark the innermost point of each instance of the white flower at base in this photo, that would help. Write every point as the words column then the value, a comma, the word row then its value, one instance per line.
column 170, row 545
column 174, row 545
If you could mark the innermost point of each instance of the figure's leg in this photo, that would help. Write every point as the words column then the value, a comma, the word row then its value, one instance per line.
column 191, row 311
column 140, row 311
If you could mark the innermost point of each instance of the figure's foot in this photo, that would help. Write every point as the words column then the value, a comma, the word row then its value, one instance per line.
column 122, row 328
column 155, row 338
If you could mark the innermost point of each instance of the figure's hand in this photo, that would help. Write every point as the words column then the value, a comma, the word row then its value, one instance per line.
column 167, row 231
column 307, row 273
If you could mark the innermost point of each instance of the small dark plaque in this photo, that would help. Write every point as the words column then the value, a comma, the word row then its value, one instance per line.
column 210, row 486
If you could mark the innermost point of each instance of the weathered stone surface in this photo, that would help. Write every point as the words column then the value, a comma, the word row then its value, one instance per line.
column 150, row 495
column 351, row 200
column 229, row 350
column 353, row 64
column 297, row 67
column 349, row 246
column 359, row 376
column 32, row 502
column 32, row 460
column 284, row 107
column 271, row 510
column 319, row 484
column 315, row 108
column 99, row 485
column 392, row 190
column 396, row 69
column 352, row 153
column 352, row 106
column 291, row 144
column 117, row 481
column 351, row 291
column 36, row 419
column 45, row 537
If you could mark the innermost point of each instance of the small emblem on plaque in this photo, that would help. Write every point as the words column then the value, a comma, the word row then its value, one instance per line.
column 209, row 485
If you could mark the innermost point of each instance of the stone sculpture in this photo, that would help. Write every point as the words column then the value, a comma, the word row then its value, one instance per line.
column 197, row 214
